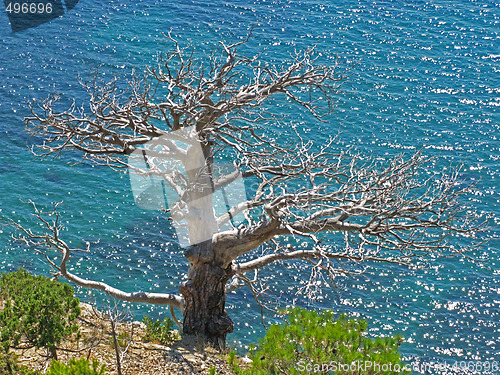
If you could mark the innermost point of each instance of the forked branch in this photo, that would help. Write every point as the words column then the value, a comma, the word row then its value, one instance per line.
column 49, row 239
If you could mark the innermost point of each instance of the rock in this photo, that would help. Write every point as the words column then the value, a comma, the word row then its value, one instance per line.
column 246, row 360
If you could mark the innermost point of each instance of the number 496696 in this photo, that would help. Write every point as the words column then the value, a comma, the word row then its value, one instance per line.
column 28, row 8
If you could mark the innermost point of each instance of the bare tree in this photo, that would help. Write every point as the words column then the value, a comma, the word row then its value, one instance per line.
column 117, row 316
column 388, row 212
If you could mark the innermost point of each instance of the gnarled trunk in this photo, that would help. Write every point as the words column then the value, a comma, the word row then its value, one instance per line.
column 204, row 295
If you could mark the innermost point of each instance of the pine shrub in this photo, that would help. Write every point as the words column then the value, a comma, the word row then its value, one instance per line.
column 321, row 343
column 80, row 366
column 36, row 309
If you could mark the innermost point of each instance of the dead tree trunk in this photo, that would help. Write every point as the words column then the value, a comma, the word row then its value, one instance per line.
column 204, row 295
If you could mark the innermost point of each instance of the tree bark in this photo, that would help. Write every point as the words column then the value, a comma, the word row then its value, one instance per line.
column 204, row 294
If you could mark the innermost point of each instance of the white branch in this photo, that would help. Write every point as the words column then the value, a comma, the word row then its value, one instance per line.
column 241, row 268
column 51, row 240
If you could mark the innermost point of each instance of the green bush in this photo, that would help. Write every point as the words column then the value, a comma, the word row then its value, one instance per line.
column 37, row 310
column 8, row 363
column 162, row 332
column 320, row 343
column 80, row 366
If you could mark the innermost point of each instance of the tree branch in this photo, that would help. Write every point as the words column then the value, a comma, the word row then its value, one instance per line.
column 51, row 240
column 241, row 268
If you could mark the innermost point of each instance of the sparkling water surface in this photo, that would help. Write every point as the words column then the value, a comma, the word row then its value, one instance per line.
column 426, row 75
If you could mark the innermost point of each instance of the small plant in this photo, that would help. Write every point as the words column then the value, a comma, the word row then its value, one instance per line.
column 36, row 309
column 232, row 361
column 162, row 332
column 212, row 371
column 320, row 343
column 231, row 356
column 80, row 366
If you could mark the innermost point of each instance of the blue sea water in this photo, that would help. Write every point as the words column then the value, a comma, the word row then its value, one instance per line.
column 426, row 75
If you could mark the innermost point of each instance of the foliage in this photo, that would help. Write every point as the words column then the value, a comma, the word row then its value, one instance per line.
column 8, row 363
column 162, row 332
column 37, row 309
column 80, row 366
column 232, row 361
column 309, row 340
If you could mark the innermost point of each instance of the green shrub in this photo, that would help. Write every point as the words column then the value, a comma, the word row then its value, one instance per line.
column 162, row 332
column 37, row 309
column 320, row 343
column 8, row 363
column 232, row 361
column 80, row 366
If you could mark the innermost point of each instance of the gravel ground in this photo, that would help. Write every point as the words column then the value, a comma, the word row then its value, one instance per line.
column 184, row 356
